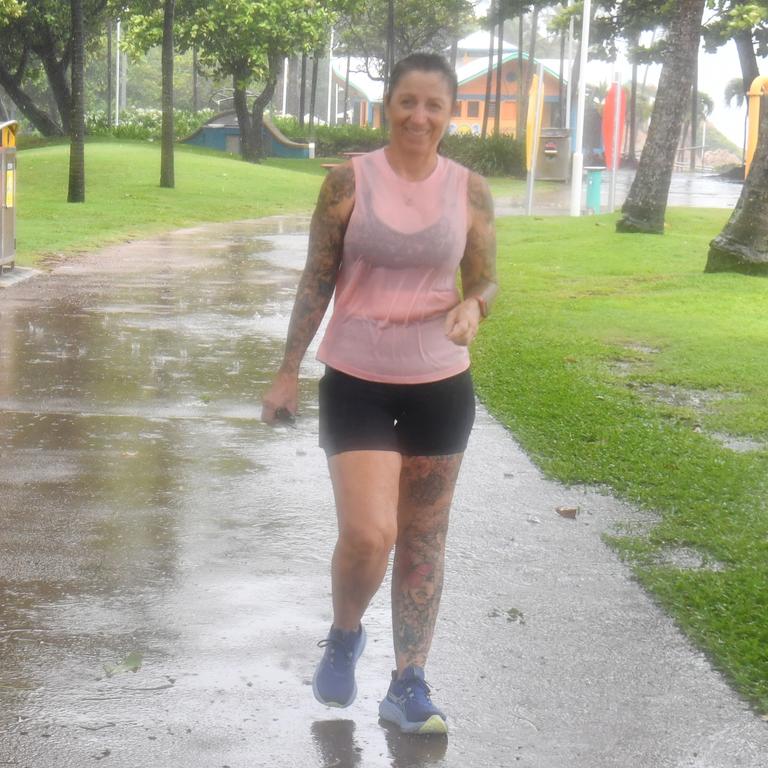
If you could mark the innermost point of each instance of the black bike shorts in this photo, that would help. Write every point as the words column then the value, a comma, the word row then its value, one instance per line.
column 432, row 419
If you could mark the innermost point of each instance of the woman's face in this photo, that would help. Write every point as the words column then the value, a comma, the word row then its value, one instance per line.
column 419, row 110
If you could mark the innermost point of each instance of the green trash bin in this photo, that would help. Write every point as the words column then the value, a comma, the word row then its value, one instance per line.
column 594, row 185
column 8, row 194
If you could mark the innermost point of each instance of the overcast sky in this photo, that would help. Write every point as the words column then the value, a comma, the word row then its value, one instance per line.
column 715, row 70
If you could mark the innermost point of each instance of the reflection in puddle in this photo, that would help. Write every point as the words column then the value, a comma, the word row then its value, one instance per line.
column 412, row 751
column 335, row 744
column 142, row 501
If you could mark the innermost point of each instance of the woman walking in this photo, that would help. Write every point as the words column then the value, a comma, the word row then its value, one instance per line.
column 391, row 231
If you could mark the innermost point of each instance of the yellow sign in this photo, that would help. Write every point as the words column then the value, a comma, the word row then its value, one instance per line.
column 8, row 138
column 530, row 121
column 10, row 187
column 758, row 88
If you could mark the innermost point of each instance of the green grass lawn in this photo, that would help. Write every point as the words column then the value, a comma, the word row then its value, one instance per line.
column 124, row 199
column 613, row 359
column 617, row 362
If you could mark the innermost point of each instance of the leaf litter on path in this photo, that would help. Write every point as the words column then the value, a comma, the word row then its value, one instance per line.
column 131, row 663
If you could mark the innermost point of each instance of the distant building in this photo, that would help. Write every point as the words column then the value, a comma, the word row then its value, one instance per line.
column 365, row 95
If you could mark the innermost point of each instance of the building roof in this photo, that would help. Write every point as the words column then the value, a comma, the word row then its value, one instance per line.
column 473, row 69
column 372, row 90
column 478, row 42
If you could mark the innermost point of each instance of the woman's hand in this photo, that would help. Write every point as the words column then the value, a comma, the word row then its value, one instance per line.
column 281, row 397
column 462, row 322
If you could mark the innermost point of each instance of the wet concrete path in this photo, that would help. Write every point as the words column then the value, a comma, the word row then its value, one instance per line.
column 689, row 190
column 144, row 509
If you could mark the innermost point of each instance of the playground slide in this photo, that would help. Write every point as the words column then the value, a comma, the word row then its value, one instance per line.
column 282, row 146
column 222, row 133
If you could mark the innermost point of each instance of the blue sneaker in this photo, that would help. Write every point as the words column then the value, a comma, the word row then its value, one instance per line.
column 409, row 706
column 334, row 681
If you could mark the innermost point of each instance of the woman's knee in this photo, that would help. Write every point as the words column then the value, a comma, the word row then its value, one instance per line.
column 371, row 541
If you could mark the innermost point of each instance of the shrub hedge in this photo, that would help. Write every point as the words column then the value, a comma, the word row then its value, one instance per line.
column 145, row 124
column 494, row 156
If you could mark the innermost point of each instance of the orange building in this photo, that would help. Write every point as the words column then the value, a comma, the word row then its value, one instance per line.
column 470, row 105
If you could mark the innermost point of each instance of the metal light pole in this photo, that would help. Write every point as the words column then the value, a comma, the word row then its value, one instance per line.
column 578, row 154
column 330, row 79
column 569, row 89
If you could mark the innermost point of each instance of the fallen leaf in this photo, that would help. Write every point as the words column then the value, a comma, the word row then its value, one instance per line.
column 131, row 663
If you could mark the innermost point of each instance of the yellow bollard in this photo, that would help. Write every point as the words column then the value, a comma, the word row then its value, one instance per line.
column 758, row 88
column 8, row 194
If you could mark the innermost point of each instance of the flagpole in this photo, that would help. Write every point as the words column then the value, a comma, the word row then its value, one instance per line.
column 578, row 153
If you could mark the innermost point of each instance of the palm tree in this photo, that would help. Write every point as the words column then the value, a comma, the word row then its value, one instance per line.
column 76, row 191
column 742, row 246
column 646, row 204
column 166, row 147
column 488, row 74
column 734, row 92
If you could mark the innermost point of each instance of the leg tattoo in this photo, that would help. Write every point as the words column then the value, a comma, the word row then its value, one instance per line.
column 426, row 491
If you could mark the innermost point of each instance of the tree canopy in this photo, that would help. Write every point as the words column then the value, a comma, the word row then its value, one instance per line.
column 36, row 51
column 419, row 26
column 10, row 9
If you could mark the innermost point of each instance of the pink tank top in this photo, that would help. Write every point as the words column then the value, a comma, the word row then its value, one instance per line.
column 402, row 249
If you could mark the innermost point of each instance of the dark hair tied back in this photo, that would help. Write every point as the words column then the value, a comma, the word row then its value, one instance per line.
column 423, row 62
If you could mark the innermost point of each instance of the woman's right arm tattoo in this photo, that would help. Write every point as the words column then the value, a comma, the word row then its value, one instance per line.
column 318, row 281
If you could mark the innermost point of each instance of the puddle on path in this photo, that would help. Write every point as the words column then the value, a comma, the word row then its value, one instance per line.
column 686, row 190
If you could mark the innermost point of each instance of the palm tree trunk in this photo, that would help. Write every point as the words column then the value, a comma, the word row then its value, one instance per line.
column 109, row 72
column 499, row 56
column 747, row 57
column 742, row 246
column 632, row 151
column 489, row 76
column 646, row 203
column 76, row 191
column 531, row 67
column 166, row 146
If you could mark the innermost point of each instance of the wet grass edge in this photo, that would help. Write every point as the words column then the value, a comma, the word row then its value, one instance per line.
column 575, row 298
